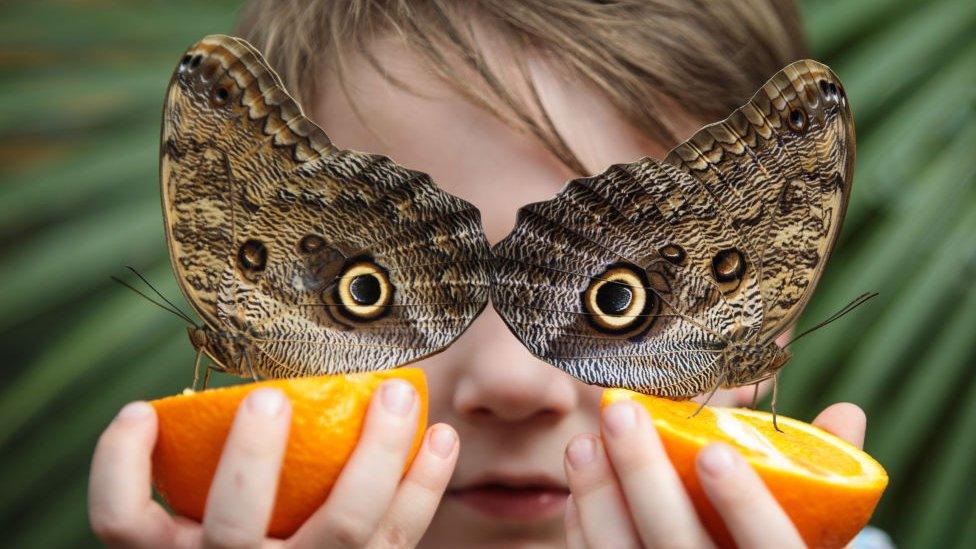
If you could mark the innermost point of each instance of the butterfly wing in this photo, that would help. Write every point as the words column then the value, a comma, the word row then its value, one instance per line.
column 640, row 276
column 644, row 228
column 782, row 166
column 323, row 260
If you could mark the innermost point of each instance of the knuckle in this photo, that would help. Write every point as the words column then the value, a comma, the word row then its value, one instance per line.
column 633, row 463
column 393, row 445
column 585, row 493
column 348, row 530
column 635, row 456
column 392, row 438
column 676, row 544
column 112, row 529
column 679, row 541
column 223, row 534
column 232, row 542
column 424, row 485
column 251, row 446
column 733, row 496
column 394, row 536
column 583, row 485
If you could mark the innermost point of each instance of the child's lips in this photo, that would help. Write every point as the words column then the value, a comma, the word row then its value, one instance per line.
column 514, row 500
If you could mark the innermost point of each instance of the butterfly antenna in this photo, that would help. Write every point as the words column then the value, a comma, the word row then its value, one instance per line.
column 857, row 302
column 161, row 296
column 153, row 301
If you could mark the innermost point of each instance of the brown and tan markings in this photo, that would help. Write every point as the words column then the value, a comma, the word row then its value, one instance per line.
column 674, row 278
column 303, row 258
column 671, row 278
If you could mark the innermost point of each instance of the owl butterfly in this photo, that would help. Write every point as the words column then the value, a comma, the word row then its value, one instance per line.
column 301, row 257
column 675, row 278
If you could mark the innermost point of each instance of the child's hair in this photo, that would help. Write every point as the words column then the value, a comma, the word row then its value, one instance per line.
column 648, row 56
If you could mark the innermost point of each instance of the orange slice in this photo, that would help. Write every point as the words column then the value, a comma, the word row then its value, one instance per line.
column 828, row 487
column 327, row 417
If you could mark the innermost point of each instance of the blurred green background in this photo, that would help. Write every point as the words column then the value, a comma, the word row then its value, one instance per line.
column 80, row 100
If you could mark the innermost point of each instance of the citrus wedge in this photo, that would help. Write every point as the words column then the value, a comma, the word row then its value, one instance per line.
column 327, row 417
column 828, row 487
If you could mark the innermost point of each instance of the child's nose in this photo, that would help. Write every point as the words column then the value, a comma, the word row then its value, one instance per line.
column 501, row 381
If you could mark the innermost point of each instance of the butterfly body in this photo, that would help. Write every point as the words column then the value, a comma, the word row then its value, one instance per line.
column 746, row 363
column 228, row 351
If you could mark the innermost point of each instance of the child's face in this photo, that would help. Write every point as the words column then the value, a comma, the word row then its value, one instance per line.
column 513, row 412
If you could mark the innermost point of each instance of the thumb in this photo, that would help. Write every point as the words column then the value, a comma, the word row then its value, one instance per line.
column 845, row 420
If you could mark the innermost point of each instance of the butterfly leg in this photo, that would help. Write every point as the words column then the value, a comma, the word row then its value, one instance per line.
column 206, row 378
column 710, row 395
column 755, row 395
column 775, row 385
column 250, row 366
column 196, row 371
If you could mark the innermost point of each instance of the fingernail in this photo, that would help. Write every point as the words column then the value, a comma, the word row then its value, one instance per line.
column 620, row 418
column 717, row 459
column 398, row 397
column 442, row 441
column 135, row 410
column 582, row 450
column 267, row 402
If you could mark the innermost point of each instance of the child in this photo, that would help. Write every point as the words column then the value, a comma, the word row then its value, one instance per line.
column 501, row 103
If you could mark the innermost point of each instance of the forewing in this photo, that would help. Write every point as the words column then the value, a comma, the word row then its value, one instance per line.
column 782, row 167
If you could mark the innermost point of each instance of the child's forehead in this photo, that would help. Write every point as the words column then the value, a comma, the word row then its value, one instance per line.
column 430, row 126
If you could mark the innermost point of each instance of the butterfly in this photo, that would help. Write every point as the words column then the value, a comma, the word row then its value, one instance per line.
column 300, row 257
column 675, row 277
column 668, row 277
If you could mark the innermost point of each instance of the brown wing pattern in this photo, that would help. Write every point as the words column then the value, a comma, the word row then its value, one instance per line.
column 641, row 276
column 623, row 217
column 782, row 166
column 322, row 260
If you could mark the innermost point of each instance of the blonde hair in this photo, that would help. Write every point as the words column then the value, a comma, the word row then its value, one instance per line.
column 705, row 56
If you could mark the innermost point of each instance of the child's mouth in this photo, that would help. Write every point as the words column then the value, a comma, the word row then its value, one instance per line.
column 514, row 500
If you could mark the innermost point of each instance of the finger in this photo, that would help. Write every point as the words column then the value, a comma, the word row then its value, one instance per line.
column 751, row 514
column 365, row 488
column 421, row 490
column 574, row 531
column 658, row 502
column 604, row 517
column 243, row 489
column 120, row 507
column 845, row 420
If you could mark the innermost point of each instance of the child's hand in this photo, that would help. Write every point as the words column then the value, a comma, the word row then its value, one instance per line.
column 369, row 503
column 625, row 493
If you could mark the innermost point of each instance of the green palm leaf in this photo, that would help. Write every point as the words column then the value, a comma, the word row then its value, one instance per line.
column 80, row 97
